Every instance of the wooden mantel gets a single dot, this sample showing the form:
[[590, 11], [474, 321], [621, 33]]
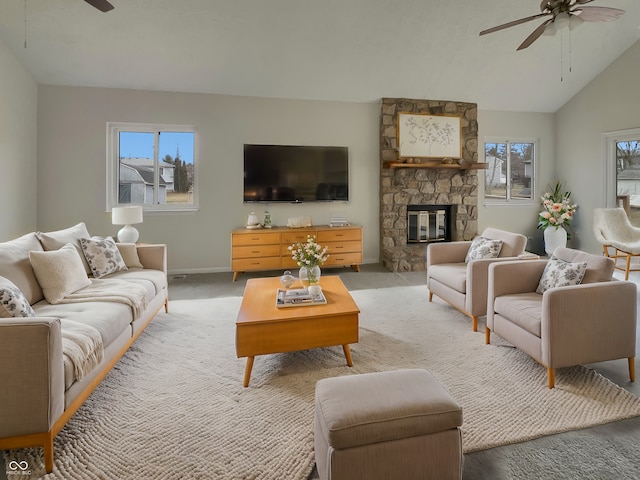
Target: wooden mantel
[[439, 165]]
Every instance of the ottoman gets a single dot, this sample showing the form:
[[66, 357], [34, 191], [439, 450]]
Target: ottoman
[[387, 425]]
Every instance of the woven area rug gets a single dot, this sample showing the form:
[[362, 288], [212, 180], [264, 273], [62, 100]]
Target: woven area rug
[[174, 406]]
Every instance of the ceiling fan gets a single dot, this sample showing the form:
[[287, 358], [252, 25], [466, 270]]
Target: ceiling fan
[[101, 5], [557, 9]]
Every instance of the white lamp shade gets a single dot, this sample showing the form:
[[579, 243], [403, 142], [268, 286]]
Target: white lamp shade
[[126, 215]]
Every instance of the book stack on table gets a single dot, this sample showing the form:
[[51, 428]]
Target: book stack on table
[[298, 297]]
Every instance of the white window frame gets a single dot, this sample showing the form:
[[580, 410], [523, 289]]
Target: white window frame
[[488, 201], [609, 141], [113, 162]]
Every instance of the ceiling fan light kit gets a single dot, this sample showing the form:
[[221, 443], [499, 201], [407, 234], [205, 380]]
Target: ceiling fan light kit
[[559, 14]]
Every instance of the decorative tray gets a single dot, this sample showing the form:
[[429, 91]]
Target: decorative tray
[[298, 297]]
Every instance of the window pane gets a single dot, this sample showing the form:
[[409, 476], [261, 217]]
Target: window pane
[[176, 166], [628, 178], [521, 168], [135, 169], [496, 172]]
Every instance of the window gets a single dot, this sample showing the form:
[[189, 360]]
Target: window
[[509, 176], [622, 156], [152, 165]]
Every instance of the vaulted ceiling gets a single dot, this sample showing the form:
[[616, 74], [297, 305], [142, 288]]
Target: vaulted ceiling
[[342, 50]]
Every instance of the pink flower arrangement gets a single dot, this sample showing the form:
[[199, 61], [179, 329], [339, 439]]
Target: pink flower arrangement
[[558, 209]]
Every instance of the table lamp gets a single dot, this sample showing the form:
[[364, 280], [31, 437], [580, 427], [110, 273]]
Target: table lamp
[[127, 216]]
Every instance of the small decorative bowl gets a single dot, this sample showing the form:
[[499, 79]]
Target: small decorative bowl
[[287, 279]]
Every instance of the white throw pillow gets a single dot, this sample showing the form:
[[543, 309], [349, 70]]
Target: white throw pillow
[[129, 252], [558, 273], [103, 256], [482, 247], [59, 272], [55, 240], [12, 301]]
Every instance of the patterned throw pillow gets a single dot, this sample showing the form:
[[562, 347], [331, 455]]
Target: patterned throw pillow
[[483, 247], [102, 255], [559, 273], [12, 302]]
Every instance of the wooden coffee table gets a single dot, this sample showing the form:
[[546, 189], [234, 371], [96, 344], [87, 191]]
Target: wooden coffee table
[[262, 328]]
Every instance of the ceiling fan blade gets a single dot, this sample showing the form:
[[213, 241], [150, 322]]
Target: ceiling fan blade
[[101, 5], [535, 34], [582, 2], [513, 24], [598, 14]]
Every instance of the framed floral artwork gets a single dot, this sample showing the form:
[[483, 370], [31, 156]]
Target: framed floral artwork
[[429, 136]]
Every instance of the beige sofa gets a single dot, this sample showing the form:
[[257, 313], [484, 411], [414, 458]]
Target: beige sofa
[[542, 311], [57, 341]]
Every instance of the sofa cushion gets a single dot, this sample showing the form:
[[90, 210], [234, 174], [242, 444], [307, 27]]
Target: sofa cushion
[[453, 275], [559, 273], [523, 309], [103, 256], [13, 303], [59, 272], [599, 267], [482, 247], [129, 252], [15, 265], [56, 239], [156, 278]]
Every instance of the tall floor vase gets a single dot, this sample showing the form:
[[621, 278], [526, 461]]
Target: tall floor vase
[[554, 237]]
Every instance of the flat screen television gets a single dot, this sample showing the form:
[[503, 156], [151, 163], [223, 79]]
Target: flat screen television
[[295, 173]]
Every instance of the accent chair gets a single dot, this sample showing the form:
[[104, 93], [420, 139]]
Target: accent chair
[[618, 237], [565, 311], [460, 280]]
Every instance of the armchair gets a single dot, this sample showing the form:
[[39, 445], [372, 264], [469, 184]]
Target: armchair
[[464, 285], [618, 237], [593, 321]]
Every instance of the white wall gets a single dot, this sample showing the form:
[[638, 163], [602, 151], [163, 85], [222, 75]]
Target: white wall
[[512, 126], [71, 163], [608, 103], [18, 160]]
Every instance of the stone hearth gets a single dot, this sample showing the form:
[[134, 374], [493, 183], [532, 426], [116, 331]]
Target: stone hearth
[[401, 187]]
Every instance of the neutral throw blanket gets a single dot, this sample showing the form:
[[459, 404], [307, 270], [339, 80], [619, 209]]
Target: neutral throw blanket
[[107, 290], [82, 344]]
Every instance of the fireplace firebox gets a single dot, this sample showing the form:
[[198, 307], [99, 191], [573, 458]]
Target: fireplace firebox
[[428, 223]]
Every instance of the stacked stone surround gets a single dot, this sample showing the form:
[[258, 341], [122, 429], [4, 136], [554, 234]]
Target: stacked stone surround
[[401, 187]]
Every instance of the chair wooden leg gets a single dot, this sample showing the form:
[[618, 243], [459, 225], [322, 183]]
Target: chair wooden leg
[[552, 377], [474, 323], [48, 454], [430, 295], [626, 272], [487, 335], [632, 369]]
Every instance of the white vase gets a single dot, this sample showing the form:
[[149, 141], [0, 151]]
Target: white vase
[[309, 276], [554, 237]]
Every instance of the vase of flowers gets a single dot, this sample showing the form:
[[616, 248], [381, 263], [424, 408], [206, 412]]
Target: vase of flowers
[[309, 256], [555, 218]]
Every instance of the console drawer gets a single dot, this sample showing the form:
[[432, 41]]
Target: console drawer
[[339, 234], [251, 251], [255, 238], [248, 264]]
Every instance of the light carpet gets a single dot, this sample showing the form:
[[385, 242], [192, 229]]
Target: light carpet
[[174, 406]]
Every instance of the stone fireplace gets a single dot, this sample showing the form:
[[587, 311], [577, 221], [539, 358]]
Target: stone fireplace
[[424, 184]]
